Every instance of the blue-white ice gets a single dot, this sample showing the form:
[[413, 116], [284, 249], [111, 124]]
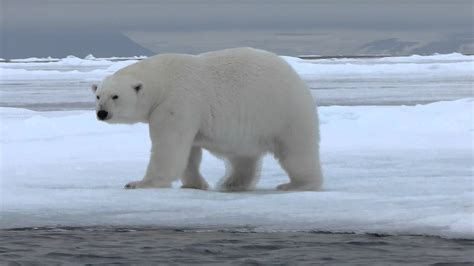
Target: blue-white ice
[[388, 169]]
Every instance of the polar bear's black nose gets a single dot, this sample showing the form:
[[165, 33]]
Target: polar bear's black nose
[[102, 114]]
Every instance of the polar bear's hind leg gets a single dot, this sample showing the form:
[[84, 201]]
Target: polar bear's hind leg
[[192, 178], [243, 174], [299, 157]]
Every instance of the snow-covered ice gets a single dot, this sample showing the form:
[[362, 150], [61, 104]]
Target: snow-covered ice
[[388, 169]]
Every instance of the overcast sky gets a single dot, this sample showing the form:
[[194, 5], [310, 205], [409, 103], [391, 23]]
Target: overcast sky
[[123, 28]]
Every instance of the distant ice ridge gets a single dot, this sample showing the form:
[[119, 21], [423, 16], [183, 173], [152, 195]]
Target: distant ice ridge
[[67, 60], [455, 65], [388, 170], [448, 65]]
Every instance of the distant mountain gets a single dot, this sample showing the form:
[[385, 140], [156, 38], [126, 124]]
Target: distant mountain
[[310, 41], [24, 44]]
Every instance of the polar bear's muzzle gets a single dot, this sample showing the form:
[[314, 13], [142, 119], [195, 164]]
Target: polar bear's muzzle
[[102, 115]]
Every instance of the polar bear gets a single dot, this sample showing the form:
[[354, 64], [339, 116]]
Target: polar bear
[[239, 104]]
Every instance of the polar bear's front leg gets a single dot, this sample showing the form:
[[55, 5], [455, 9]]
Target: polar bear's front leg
[[167, 164], [158, 175], [171, 144]]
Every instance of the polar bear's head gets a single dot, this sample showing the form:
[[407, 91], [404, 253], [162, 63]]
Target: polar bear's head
[[120, 99]]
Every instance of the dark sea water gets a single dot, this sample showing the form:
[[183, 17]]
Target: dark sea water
[[153, 246]]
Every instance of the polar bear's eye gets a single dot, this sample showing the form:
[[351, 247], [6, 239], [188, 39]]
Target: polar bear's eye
[[137, 87], [115, 97], [98, 97]]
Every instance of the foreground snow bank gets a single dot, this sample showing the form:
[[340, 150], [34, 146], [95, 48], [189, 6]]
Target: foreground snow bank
[[394, 170]]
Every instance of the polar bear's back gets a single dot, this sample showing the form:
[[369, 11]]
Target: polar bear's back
[[258, 73], [249, 66]]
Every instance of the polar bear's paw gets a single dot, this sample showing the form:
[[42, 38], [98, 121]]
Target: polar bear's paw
[[201, 185], [299, 187], [145, 184], [134, 185]]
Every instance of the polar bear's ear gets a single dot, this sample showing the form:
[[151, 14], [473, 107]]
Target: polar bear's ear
[[137, 87], [94, 88]]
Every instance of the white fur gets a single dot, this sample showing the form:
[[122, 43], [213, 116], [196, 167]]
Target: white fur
[[238, 103]]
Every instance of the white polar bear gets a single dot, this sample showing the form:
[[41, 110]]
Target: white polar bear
[[239, 104]]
